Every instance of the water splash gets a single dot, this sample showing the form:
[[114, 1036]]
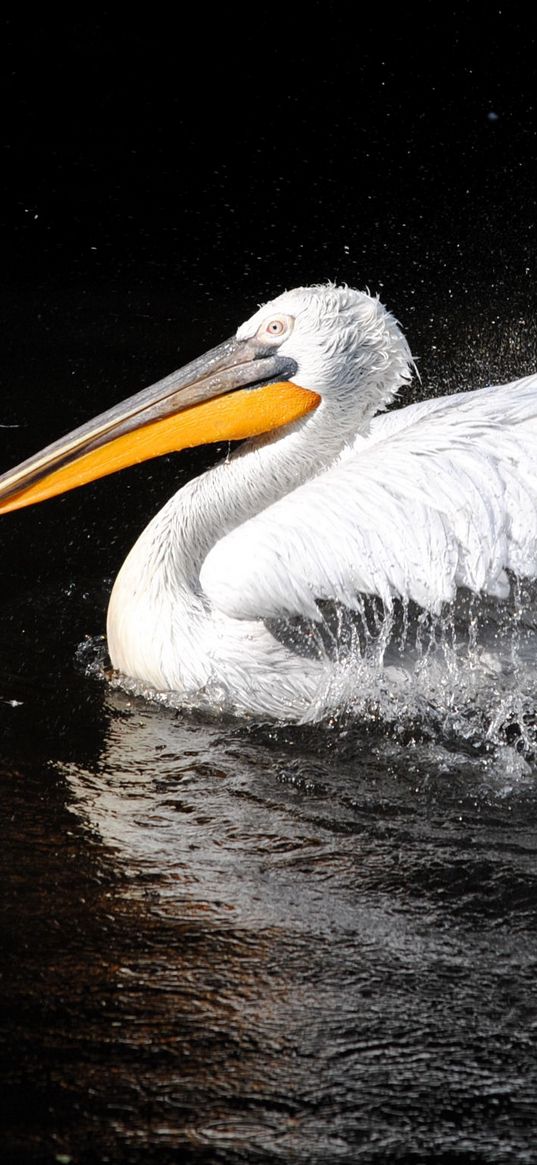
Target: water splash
[[466, 677]]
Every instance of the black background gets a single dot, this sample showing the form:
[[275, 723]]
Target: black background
[[163, 175]]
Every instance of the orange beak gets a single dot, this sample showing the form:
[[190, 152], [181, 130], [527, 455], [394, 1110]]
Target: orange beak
[[236, 390]]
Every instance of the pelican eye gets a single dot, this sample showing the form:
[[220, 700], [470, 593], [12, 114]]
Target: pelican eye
[[276, 328]]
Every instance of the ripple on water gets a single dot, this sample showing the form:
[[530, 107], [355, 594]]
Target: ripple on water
[[238, 941]]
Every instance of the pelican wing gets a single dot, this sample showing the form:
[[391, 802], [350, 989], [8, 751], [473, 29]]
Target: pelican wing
[[440, 494]]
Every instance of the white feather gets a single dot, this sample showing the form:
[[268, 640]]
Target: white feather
[[412, 504]]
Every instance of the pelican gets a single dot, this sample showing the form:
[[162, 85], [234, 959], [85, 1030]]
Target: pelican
[[328, 499]]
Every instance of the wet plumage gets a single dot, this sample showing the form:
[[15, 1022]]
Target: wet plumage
[[336, 500]]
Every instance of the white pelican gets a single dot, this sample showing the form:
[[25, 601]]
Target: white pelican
[[326, 501]]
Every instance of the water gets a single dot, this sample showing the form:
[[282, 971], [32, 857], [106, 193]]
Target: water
[[224, 941], [227, 941]]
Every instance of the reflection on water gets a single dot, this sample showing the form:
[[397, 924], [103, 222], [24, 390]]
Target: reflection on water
[[227, 942]]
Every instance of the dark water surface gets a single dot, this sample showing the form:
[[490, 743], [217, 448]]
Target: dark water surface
[[226, 942], [243, 943]]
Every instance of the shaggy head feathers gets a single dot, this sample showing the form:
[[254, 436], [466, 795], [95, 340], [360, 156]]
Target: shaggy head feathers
[[345, 342]]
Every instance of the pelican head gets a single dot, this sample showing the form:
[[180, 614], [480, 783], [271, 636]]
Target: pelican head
[[345, 344], [310, 346]]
